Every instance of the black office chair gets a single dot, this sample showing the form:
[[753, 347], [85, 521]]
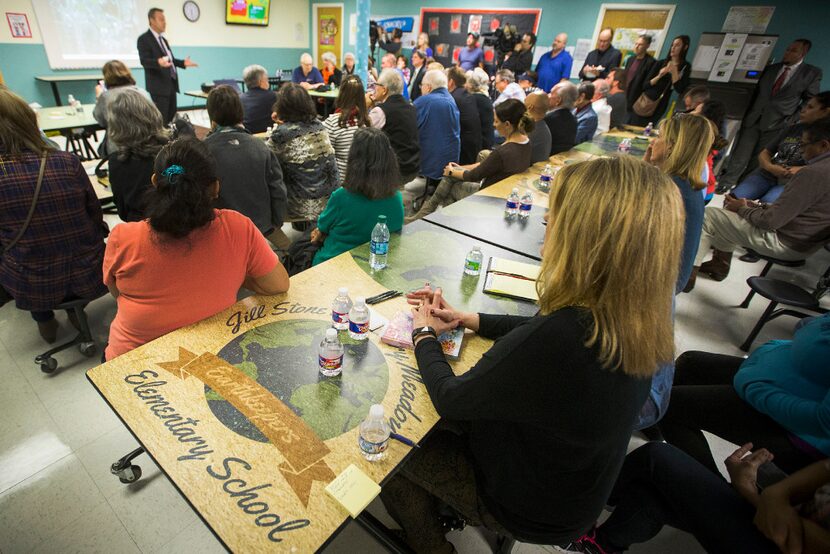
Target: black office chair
[[770, 262], [86, 345], [782, 292]]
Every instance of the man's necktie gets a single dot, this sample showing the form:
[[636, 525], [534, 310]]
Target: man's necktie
[[779, 82], [169, 55]]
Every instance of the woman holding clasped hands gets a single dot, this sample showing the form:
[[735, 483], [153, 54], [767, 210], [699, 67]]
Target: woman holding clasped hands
[[548, 411]]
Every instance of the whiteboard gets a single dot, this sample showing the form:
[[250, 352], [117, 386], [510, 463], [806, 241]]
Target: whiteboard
[[80, 34]]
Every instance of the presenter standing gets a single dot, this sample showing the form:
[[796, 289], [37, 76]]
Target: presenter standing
[[160, 74]]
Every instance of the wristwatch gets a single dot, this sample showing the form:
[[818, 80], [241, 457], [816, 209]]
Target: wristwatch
[[421, 331]]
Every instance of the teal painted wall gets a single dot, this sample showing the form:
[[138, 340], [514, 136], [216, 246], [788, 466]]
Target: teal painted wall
[[801, 18], [22, 62]]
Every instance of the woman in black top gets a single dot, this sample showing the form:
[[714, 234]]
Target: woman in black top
[[667, 74], [549, 409], [137, 131]]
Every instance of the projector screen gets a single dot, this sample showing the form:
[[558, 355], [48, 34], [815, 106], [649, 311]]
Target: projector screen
[[81, 34], [247, 12]]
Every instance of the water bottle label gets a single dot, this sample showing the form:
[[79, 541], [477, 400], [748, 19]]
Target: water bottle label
[[545, 178], [472, 265], [359, 328], [379, 248], [330, 363], [338, 317], [370, 447], [512, 205], [525, 207]]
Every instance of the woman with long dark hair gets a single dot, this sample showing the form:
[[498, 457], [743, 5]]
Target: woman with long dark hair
[[670, 73], [187, 260], [350, 114]]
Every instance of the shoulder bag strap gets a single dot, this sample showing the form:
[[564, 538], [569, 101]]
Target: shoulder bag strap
[[31, 208]]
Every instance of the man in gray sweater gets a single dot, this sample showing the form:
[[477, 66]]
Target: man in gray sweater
[[250, 176], [791, 228]]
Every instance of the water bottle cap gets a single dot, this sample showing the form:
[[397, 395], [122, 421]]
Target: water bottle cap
[[476, 247], [343, 291], [381, 219], [331, 333], [359, 301], [547, 166], [376, 411], [516, 190]]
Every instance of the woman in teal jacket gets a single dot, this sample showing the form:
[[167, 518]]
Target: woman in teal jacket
[[778, 399], [370, 188]]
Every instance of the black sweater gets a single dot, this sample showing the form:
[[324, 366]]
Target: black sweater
[[549, 426]]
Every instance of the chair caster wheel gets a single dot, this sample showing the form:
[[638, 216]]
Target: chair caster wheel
[[88, 349], [129, 474], [48, 365]]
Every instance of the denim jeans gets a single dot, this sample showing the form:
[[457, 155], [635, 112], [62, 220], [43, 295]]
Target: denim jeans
[[759, 185]]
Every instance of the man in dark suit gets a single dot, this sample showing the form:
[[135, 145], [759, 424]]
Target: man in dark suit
[[160, 74], [416, 74], [468, 116], [560, 120], [600, 61], [637, 67], [782, 88]]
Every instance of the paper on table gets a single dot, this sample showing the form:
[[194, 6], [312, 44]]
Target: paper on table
[[511, 267], [353, 489], [512, 287]]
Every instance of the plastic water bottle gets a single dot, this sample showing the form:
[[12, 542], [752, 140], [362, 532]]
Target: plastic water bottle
[[379, 247], [472, 264], [340, 309], [373, 436], [546, 178], [649, 128], [625, 146], [359, 319], [511, 208], [525, 205], [330, 354], [71, 104]]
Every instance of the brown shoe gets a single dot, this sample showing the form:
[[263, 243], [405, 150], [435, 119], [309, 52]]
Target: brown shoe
[[718, 267], [690, 284], [48, 330]]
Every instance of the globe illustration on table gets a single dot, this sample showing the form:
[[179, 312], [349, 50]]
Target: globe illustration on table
[[282, 357]]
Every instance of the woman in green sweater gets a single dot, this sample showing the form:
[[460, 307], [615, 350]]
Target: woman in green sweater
[[370, 189]]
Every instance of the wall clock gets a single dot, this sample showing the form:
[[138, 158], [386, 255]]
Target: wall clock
[[191, 11]]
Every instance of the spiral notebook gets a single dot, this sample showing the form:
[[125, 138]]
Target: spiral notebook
[[511, 279]]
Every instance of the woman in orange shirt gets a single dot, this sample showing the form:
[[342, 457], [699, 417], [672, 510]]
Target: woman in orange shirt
[[187, 260]]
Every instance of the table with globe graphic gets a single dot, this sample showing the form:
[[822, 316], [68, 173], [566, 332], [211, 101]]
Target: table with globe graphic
[[235, 412]]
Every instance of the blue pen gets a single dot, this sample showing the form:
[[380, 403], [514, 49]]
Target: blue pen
[[406, 441]]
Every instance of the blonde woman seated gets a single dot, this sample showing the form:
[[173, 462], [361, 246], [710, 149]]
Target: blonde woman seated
[[513, 156], [547, 412]]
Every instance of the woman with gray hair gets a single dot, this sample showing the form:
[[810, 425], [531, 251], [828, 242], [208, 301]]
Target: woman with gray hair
[[258, 100], [136, 129], [331, 75], [348, 63], [478, 84]]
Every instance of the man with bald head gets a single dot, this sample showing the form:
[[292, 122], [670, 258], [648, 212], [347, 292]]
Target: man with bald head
[[554, 66], [600, 61], [308, 76], [560, 119]]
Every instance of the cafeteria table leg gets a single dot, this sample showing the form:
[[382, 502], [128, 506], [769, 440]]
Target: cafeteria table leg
[[382, 534], [55, 92]]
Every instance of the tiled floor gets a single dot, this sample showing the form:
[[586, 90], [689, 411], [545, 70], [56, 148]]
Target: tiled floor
[[58, 438]]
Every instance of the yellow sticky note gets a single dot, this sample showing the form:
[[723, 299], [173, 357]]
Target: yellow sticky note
[[353, 489]]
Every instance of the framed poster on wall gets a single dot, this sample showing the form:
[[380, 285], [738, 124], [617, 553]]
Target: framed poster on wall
[[629, 21], [328, 29]]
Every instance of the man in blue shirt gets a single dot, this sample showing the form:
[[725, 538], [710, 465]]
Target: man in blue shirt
[[586, 117], [439, 126], [308, 76], [472, 56], [555, 66]]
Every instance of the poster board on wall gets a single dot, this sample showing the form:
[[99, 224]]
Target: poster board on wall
[[448, 27], [328, 30], [630, 21]]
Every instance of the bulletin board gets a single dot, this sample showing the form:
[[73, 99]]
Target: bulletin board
[[631, 20], [448, 27]]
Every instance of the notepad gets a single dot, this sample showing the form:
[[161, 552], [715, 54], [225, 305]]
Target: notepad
[[511, 287], [510, 267], [353, 489]]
